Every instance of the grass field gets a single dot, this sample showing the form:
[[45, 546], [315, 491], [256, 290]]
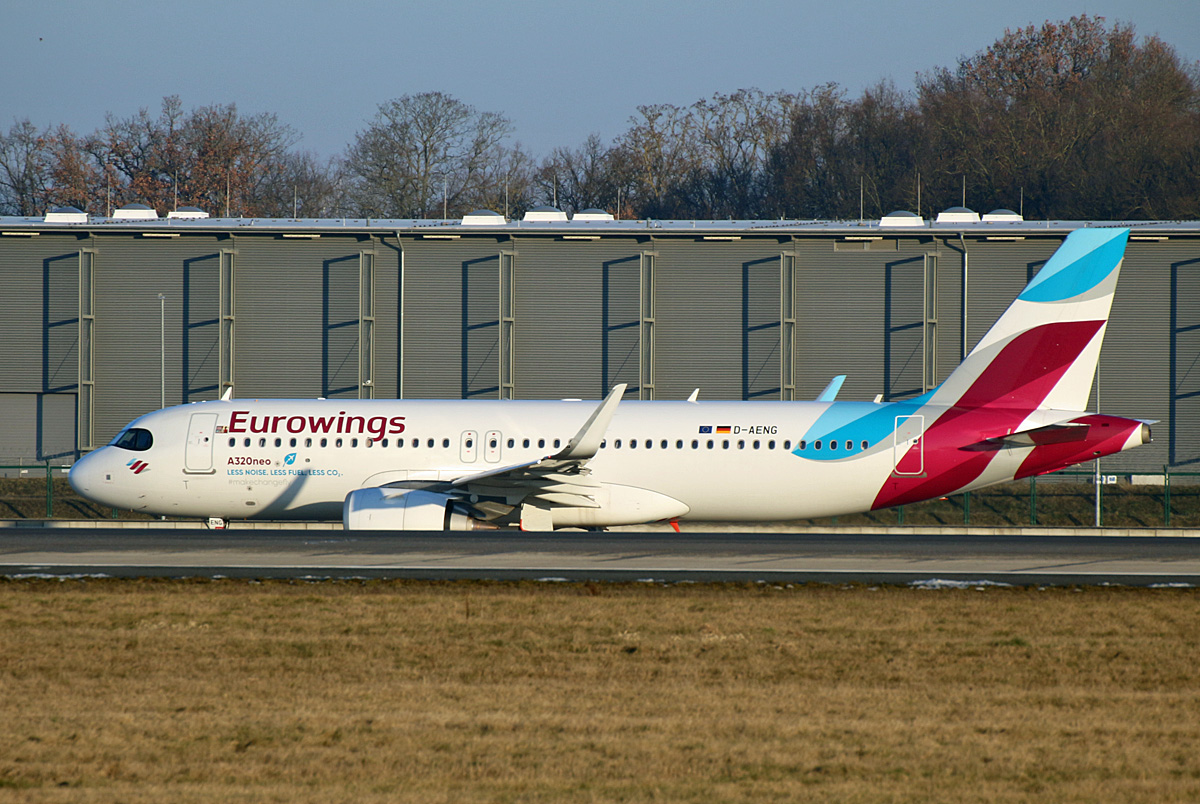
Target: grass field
[[229, 691]]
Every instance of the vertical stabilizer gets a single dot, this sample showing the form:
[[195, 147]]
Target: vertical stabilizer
[[1042, 353]]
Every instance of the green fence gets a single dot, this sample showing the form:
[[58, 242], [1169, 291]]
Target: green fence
[[41, 491], [1062, 499]]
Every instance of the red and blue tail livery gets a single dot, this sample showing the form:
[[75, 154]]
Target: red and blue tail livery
[[1015, 407]]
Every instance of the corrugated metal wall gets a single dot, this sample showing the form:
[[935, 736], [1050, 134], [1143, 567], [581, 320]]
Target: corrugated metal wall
[[296, 308], [39, 325], [130, 272], [38, 427], [861, 310], [577, 317], [708, 295], [451, 310], [1135, 366], [840, 318], [1183, 443]]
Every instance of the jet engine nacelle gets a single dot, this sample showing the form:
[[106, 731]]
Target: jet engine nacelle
[[403, 509]]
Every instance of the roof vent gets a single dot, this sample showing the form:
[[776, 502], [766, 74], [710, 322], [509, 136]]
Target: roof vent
[[592, 214], [66, 215], [902, 218], [483, 217], [958, 215], [1002, 216], [135, 212], [187, 214], [545, 215]]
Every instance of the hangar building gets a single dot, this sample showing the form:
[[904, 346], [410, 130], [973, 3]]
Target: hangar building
[[103, 318]]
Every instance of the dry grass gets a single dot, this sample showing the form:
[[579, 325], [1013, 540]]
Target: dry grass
[[231, 691]]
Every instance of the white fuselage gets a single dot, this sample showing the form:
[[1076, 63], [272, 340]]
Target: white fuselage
[[289, 459]]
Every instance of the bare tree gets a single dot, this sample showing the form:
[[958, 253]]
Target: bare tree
[[24, 169], [1078, 117], [421, 152], [587, 177], [212, 157], [300, 185]]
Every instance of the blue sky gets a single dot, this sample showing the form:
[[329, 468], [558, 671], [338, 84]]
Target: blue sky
[[559, 71]]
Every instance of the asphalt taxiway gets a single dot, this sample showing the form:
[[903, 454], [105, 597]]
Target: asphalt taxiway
[[1028, 558]]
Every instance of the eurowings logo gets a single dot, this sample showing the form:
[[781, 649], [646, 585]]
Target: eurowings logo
[[290, 459], [138, 466]]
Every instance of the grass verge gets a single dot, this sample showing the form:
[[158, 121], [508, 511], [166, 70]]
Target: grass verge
[[404, 691]]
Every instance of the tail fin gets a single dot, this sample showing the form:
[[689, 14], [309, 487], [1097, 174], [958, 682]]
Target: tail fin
[[1042, 353]]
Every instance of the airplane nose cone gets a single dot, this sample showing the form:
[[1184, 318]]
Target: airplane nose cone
[[87, 475]]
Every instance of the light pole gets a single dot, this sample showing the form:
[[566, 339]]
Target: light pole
[[162, 351], [1096, 478]]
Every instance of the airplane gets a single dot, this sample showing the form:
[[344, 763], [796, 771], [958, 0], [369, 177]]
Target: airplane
[[1015, 407]]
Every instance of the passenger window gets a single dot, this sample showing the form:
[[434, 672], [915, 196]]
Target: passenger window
[[679, 444], [741, 443], [771, 444], [725, 444], [864, 443], [308, 442], [416, 442], [445, 443], [370, 442], [233, 442], [649, 444], [337, 443], [832, 444], [756, 445], [246, 443], [541, 443], [525, 443], [324, 442], [557, 442], [603, 443], [383, 443], [429, 443], [471, 443], [710, 443], [279, 442], [695, 444], [787, 444], [633, 443], [511, 443], [492, 443], [262, 442], [617, 444], [817, 445], [354, 442], [803, 445], [292, 442], [849, 445]]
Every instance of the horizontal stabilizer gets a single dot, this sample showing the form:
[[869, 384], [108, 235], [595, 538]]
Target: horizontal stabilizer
[[1036, 437]]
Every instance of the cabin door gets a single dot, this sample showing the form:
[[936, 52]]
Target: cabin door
[[198, 456], [908, 447]]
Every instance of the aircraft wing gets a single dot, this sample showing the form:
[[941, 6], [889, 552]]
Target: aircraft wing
[[559, 479]]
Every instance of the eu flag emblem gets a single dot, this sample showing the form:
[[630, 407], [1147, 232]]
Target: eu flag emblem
[[706, 428]]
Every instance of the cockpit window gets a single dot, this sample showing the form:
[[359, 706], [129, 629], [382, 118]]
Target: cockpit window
[[134, 439]]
